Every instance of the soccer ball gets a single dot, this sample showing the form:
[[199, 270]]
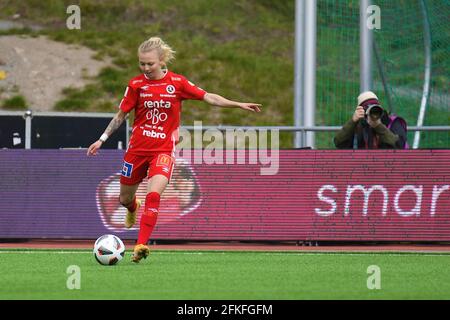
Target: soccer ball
[[108, 249]]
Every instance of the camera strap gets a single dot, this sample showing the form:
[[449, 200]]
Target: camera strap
[[355, 141]]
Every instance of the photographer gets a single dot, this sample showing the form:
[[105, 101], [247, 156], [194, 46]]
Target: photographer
[[371, 127]]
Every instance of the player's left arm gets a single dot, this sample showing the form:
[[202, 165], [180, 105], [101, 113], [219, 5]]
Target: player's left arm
[[217, 100]]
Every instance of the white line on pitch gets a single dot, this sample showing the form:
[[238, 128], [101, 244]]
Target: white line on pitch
[[364, 253]]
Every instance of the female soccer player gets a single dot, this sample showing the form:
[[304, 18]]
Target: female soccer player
[[156, 97]]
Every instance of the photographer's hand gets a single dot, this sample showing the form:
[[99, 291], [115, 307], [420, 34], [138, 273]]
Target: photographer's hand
[[358, 114]]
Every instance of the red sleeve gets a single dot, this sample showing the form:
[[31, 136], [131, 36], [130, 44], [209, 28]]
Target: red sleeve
[[191, 91], [129, 100]]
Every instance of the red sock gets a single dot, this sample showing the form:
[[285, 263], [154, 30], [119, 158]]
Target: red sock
[[148, 219], [132, 207]]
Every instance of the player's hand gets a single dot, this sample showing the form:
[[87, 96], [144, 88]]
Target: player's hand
[[254, 107], [93, 148], [359, 114]]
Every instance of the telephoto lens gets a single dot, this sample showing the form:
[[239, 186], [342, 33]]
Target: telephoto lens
[[375, 111]]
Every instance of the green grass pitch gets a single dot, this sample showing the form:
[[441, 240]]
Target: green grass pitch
[[211, 275]]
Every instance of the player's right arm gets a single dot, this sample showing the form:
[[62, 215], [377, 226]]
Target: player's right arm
[[127, 104], [115, 123]]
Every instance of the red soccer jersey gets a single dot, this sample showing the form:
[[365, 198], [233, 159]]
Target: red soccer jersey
[[157, 105]]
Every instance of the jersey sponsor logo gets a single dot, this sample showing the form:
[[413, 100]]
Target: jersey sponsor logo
[[146, 95], [170, 89], [157, 104], [153, 127], [154, 134], [155, 116], [145, 87], [127, 169], [168, 95]]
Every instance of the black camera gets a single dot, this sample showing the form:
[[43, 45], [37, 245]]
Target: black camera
[[374, 111]]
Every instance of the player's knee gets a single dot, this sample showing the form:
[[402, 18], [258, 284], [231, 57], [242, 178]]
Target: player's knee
[[125, 200]]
